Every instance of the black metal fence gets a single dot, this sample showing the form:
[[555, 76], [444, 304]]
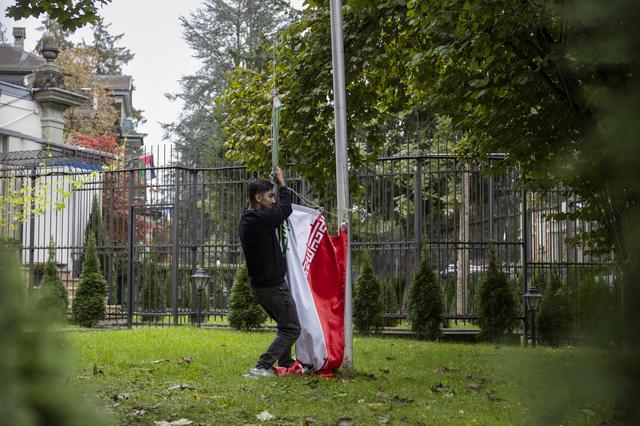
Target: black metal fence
[[155, 224]]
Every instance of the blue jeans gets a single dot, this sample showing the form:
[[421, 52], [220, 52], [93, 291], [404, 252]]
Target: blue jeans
[[280, 306]]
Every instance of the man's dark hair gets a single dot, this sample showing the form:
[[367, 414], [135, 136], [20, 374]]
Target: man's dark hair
[[258, 186]]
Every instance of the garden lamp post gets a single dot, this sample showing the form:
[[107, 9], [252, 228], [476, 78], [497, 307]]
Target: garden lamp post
[[201, 280], [532, 300]]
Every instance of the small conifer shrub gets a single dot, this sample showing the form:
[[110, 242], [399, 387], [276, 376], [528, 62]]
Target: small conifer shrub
[[554, 317], [497, 309], [426, 304], [153, 294], [244, 311], [367, 304], [53, 300], [89, 304]]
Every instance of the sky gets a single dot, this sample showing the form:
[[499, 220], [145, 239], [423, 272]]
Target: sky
[[152, 31]]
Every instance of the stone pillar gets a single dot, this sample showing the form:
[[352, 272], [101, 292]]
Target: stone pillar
[[51, 96]]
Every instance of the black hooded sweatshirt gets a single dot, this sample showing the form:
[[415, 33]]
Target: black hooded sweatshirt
[[265, 261]]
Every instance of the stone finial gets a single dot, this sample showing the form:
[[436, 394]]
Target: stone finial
[[49, 74]]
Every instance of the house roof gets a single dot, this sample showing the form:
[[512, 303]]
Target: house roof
[[116, 83], [16, 60]]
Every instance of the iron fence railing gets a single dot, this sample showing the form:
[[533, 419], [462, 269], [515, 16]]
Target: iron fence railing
[[156, 223]]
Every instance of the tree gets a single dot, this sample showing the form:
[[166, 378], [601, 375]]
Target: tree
[[367, 303], [70, 15], [224, 34], [244, 311], [426, 304], [153, 292], [497, 310], [98, 117], [110, 57], [89, 304], [35, 365], [53, 300], [554, 318]]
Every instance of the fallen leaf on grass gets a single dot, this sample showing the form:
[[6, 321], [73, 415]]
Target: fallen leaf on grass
[[160, 361], [444, 370], [344, 421], [97, 371], [309, 420], [401, 400], [121, 396], [391, 358], [139, 412], [386, 370], [181, 386], [265, 416], [375, 406], [371, 377], [439, 388], [491, 396], [474, 386], [185, 360], [179, 422], [384, 420]]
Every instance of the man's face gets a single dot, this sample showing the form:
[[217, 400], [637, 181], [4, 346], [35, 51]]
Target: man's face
[[266, 200]]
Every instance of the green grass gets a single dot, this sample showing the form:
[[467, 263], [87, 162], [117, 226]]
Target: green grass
[[398, 381]]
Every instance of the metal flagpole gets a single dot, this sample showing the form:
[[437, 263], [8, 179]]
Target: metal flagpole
[[342, 174]]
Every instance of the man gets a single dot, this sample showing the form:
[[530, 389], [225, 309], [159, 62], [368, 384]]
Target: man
[[267, 268]]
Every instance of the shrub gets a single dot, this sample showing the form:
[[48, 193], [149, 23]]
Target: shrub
[[392, 290], [244, 311], [595, 314], [53, 300], [367, 306], [34, 366], [497, 308], [426, 304], [89, 303], [554, 318], [153, 294]]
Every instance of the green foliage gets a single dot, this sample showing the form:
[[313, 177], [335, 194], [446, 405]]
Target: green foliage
[[244, 311], [223, 35], [69, 15], [154, 290], [89, 305], [595, 310], [426, 304], [53, 300], [392, 289], [367, 303], [35, 365], [554, 319], [497, 308], [110, 57]]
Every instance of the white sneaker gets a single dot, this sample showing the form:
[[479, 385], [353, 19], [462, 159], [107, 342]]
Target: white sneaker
[[259, 372]]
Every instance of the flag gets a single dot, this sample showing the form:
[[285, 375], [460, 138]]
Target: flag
[[316, 263], [147, 163]]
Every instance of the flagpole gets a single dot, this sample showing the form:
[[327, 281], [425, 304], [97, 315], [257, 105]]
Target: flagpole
[[342, 174]]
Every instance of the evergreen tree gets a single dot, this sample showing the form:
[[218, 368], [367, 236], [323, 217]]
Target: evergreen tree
[[244, 311], [426, 304], [94, 227], [110, 57], [34, 365], [367, 304], [391, 288], [554, 319], [153, 291], [497, 308], [224, 35], [53, 300], [89, 304]]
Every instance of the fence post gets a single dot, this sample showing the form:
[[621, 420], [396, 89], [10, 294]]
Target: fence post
[[525, 263], [32, 230], [417, 208], [193, 238], [131, 245], [175, 255]]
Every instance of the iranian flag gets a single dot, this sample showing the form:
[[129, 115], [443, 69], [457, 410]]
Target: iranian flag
[[316, 263]]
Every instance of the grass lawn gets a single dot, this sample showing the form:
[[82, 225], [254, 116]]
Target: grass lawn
[[398, 381]]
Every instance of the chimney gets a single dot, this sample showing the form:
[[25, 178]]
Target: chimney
[[19, 34]]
